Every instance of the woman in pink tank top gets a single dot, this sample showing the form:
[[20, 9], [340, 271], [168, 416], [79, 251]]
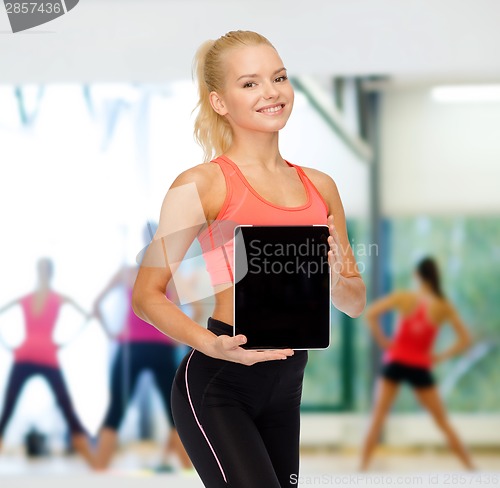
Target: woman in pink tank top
[[37, 355], [409, 356], [237, 410], [142, 347]]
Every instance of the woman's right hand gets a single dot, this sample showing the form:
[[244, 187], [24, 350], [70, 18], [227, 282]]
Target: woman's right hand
[[229, 348]]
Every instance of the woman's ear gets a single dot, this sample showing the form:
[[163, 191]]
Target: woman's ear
[[217, 103]]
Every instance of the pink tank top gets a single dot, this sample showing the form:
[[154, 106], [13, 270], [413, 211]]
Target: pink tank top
[[38, 346], [243, 205], [137, 330], [413, 340]]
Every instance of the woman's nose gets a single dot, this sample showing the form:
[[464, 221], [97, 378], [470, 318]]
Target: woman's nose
[[270, 90]]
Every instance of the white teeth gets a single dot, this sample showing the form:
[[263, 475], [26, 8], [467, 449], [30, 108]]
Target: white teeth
[[272, 109]]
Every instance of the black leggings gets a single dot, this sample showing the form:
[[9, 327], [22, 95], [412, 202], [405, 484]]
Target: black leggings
[[240, 424], [131, 360], [19, 374]]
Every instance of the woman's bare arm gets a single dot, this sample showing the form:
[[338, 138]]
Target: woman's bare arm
[[185, 210], [76, 306], [378, 307], [3, 309], [116, 280], [464, 339], [348, 289], [9, 305]]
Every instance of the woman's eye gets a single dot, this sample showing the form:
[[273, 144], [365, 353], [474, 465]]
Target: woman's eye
[[249, 84], [281, 78]]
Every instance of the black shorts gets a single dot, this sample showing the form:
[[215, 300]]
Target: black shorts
[[417, 377]]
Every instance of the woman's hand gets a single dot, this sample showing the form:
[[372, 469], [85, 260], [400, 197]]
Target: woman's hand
[[229, 348], [335, 256]]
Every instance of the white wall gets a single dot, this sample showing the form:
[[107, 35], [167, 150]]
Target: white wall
[[439, 158], [312, 143], [75, 190], [154, 40]]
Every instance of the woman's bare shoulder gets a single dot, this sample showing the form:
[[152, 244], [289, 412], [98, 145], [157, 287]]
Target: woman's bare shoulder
[[447, 306], [210, 185], [326, 186], [318, 177], [404, 298], [323, 182], [203, 175]]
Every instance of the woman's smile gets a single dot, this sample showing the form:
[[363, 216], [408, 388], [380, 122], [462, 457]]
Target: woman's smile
[[275, 109]]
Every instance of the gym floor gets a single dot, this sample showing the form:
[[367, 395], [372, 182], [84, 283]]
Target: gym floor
[[136, 465]]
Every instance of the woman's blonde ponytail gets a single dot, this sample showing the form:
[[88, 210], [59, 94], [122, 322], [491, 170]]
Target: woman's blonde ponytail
[[211, 130]]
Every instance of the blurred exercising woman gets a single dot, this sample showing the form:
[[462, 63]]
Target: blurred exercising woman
[[409, 354], [141, 348], [37, 355]]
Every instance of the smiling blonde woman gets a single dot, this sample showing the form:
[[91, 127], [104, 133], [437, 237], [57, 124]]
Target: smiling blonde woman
[[237, 411]]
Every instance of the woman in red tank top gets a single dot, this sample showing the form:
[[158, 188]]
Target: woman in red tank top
[[37, 355], [141, 348], [237, 410], [409, 356]]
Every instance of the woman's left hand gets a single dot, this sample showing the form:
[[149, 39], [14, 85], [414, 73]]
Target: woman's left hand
[[335, 257]]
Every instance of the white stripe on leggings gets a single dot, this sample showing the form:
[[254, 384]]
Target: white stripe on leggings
[[197, 421]]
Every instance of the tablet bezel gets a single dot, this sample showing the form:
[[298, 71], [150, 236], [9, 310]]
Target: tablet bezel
[[329, 290]]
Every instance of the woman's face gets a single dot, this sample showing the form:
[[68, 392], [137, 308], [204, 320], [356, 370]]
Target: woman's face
[[257, 94]]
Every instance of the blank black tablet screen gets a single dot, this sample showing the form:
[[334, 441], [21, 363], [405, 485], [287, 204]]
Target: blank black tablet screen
[[282, 286]]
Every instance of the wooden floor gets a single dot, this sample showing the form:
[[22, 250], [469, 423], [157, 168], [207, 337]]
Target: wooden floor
[[136, 467]]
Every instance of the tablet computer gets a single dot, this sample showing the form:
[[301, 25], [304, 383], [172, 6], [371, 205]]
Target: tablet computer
[[282, 286]]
